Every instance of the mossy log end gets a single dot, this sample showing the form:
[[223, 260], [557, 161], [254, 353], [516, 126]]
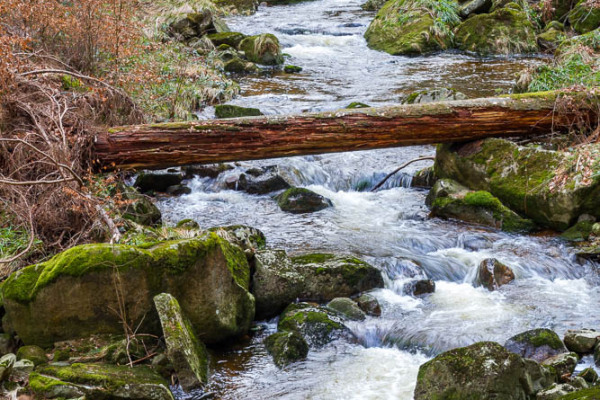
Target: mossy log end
[[156, 146]]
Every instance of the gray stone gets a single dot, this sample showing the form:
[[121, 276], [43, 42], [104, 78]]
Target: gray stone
[[347, 308], [536, 344], [581, 340]]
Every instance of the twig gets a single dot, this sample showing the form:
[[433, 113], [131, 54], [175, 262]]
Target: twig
[[398, 169], [139, 360], [74, 74]]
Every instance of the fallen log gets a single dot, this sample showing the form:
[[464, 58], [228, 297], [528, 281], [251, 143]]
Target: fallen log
[[156, 146]]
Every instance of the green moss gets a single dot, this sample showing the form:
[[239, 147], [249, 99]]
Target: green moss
[[540, 337], [315, 258], [232, 39], [357, 104], [585, 16], [585, 394], [41, 385], [286, 347], [292, 69], [262, 49], [231, 111], [72, 83], [579, 232]]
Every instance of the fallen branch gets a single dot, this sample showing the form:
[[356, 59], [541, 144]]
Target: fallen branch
[[398, 169]]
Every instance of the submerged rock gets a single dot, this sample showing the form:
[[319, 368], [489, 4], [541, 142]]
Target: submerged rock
[[314, 323], [475, 371], [492, 274], [98, 381], [449, 199], [405, 27], [262, 49], [536, 344], [300, 200], [540, 184], [286, 348], [504, 31], [231, 111], [187, 354], [347, 308], [73, 294]]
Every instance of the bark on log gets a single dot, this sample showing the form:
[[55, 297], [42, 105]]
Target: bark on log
[[157, 146]]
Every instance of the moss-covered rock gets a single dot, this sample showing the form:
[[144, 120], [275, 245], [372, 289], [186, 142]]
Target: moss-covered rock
[[232, 39], [231, 111], [536, 344], [357, 104], [286, 347], [449, 200], [579, 232], [35, 354], [246, 237], [550, 39], [315, 324], [585, 394], [424, 178], [139, 208], [492, 274], [195, 25], [475, 7], [411, 27], [347, 308], [539, 184], [238, 66], [589, 374], [581, 340], [187, 354], [98, 381], [475, 371], [430, 96], [262, 49], [292, 69], [74, 294], [301, 200], [585, 16], [187, 223], [504, 31], [279, 280]]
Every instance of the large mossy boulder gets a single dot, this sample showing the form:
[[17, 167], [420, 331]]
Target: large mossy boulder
[[585, 16], [187, 354], [476, 371], [449, 199], [301, 200], [262, 49], [539, 184], [286, 347], [75, 293], [504, 31], [406, 27], [98, 381], [315, 324], [537, 344], [279, 280]]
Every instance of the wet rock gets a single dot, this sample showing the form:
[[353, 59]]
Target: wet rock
[[139, 208], [589, 374], [156, 182], [492, 274], [423, 287], [300, 200], [99, 381], [246, 237], [187, 224], [478, 370], [579, 232], [520, 178], [286, 348], [262, 49], [7, 362], [35, 354], [536, 344], [562, 365], [449, 199], [279, 280], [347, 308], [292, 69], [178, 190], [187, 354], [239, 66], [585, 16], [195, 25], [313, 323], [263, 184], [475, 7], [73, 294], [431, 96], [554, 392], [504, 31], [424, 178], [369, 304], [581, 340], [410, 34], [206, 171], [232, 39], [231, 111]]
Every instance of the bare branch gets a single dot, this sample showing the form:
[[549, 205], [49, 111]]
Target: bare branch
[[398, 169]]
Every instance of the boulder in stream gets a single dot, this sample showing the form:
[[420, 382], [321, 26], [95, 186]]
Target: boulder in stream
[[231, 111], [262, 49], [536, 344], [492, 274], [347, 308], [475, 371], [156, 182], [316, 325], [73, 294], [286, 347], [187, 354], [369, 304], [300, 200], [581, 341]]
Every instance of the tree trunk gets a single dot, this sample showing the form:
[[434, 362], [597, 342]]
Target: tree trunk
[[170, 144]]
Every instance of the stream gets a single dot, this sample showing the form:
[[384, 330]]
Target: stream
[[388, 229]]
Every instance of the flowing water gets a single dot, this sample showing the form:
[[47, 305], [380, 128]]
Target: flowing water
[[388, 228]]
